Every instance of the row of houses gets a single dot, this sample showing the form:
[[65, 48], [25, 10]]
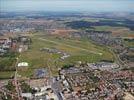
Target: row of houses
[[5, 45], [16, 44], [95, 81]]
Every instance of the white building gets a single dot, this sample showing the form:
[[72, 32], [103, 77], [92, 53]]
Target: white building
[[23, 64]]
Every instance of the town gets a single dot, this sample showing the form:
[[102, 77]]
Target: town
[[79, 81], [67, 52]]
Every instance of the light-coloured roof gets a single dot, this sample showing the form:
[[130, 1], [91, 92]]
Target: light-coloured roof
[[28, 95], [23, 64]]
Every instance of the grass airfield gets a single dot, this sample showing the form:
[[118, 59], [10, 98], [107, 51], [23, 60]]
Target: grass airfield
[[78, 49]]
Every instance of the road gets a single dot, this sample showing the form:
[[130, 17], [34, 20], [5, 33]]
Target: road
[[118, 60], [43, 39], [18, 88], [55, 84], [57, 88]]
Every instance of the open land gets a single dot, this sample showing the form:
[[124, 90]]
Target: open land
[[76, 48]]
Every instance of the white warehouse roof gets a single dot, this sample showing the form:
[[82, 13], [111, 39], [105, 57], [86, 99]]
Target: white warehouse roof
[[23, 64]]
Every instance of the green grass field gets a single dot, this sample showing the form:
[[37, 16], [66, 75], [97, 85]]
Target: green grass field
[[116, 31], [7, 67], [79, 50], [6, 74], [107, 28]]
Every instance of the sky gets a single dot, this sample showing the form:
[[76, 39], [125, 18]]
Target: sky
[[68, 5]]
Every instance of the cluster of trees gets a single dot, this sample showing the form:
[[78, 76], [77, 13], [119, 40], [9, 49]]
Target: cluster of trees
[[129, 40], [114, 23], [127, 57], [68, 66], [7, 61], [131, 68], [25, 87], [79, 24], [10, 86]]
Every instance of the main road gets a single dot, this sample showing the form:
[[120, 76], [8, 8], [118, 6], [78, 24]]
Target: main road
[[18, 89]]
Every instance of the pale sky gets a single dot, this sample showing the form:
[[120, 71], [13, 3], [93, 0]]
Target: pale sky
[[68, 5]]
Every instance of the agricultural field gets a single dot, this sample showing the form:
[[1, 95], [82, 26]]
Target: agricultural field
[[116, 31], [78, 49], [122, 28]]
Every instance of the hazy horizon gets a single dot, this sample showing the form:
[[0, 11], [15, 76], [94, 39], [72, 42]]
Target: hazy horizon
[[67, 5]]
